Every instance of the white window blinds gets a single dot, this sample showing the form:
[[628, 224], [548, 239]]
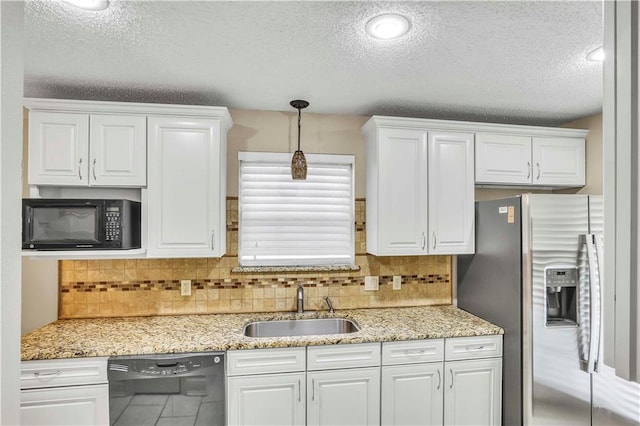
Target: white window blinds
[[285, 222]]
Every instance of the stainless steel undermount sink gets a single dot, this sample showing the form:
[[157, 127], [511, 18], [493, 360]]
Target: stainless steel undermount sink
[[300, 327]]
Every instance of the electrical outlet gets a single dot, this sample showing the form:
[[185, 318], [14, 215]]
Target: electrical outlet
[[185, 287], [371, 283], [397, 282]]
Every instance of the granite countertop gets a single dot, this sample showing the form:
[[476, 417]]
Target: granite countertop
[[218, 332]]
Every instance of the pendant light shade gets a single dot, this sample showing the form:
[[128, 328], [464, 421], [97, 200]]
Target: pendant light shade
[[298, 161]]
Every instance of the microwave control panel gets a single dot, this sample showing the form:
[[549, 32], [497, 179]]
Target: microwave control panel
[[112, 229]]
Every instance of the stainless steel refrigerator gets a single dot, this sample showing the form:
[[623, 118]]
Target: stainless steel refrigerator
[[536, 273]]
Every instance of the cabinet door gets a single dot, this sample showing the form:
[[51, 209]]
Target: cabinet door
[[451, 193], [118, 149], [558, 161], [400, 203], [473, 392], [412, 394], [185, 193], [58, 149], [344, 397], [74, 405], [275, 399], [503, 159]]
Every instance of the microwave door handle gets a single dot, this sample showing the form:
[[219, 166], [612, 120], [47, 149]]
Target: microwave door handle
[[594, 304]]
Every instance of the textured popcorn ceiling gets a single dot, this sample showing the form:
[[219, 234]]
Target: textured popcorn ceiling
[[508, 61]]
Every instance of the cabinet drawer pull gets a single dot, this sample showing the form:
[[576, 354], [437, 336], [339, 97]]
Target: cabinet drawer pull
[[529, 169], [414, 352], [80, 169], [538, 165], [94, 169], [475, 348], [439, 379], [47, 375]]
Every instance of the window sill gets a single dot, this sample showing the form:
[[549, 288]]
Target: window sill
[[267, 269]]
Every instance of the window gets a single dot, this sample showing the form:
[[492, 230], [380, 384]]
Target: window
[[285, 222]]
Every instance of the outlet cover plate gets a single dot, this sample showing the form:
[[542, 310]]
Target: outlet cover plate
[[397, 282], [185, 287], [371, 283]]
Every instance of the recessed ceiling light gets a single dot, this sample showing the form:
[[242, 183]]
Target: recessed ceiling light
[[89, 4], [388, 26], [596, 55]]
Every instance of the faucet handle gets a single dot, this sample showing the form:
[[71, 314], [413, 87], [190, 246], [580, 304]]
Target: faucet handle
[[329, 304]]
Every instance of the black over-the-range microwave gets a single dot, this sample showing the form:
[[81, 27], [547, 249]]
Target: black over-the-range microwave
[[80, 224]]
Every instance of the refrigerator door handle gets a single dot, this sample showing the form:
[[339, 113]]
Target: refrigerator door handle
[[594, 304]]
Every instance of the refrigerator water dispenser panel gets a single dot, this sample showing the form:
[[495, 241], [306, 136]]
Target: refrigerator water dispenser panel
[[561, 286]]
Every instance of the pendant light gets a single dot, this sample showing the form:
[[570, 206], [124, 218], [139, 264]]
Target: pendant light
[[298, 162]]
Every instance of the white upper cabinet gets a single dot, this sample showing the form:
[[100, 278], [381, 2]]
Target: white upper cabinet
[[451, 193], [58, 148], [118, 149], [558, 161], [503, 159], [185, 199], [396, 192], [420, 188], [523, 160], [74, 149]]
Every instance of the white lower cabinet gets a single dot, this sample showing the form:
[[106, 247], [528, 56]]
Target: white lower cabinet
[[270, 399], [343, 397], [456, 381], [412, 394], [473, 392], [64, 392], [473, 381], [73, 405]]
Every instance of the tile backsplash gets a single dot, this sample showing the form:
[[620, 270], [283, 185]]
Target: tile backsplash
[[133, 287]]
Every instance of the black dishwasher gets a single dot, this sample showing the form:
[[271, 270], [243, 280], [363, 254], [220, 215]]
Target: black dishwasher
[[167, 390]]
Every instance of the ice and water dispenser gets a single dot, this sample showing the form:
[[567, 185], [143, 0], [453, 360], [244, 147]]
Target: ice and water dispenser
[[561, 285]]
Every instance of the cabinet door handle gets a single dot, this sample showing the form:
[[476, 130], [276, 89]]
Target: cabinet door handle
[[80, 169], [451, 386], [538, 166], [435, 239], [94, 169], [424, 240], [299, 391], [213, 239], [529, 168], [439, 379], [313, 389]]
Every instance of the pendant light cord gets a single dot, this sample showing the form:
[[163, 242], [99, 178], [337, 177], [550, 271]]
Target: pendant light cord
[[299, 129]]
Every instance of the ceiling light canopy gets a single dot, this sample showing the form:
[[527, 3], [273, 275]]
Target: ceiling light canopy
[[388, 26], [596, 55], [89, 4]]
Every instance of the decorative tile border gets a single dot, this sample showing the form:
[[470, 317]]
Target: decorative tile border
[[274, 282]]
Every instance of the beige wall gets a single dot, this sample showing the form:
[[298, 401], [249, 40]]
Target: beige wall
[[275, 131], [593, 153]]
